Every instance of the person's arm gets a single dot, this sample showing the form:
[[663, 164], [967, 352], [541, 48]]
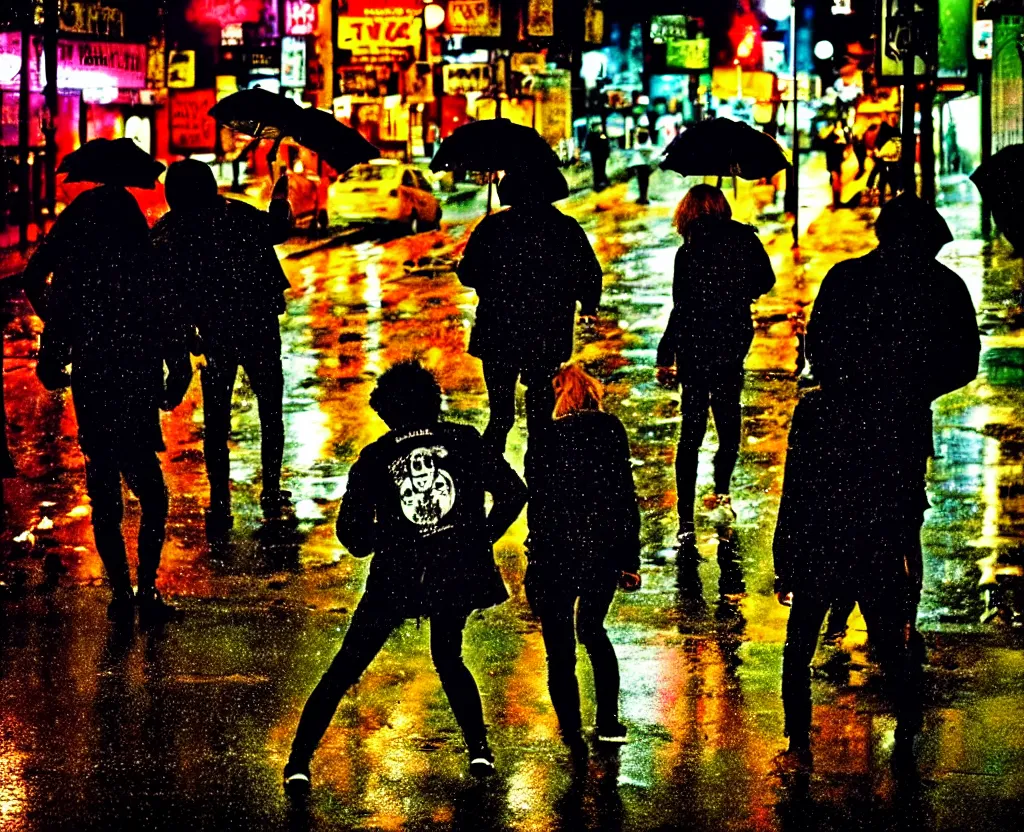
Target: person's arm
[[668, 353], [821, 328], [958, 356], [476, 263], [507, 490], [357, 517], [625, 498], [35, 278], [589, 277], [280, 220], [760, 274]]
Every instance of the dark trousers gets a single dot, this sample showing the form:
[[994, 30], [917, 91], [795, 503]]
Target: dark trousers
[[722, 395], [643, 182], [141, 470], [555, 607], [890, 615], [370, 628], [598, 163], [263, 369], [501, 381]]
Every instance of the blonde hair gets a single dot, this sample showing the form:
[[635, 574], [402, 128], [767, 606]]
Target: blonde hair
[[700, 201], [575, 391]]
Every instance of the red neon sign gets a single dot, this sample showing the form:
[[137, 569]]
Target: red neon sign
[[223, 12], [300, 17]]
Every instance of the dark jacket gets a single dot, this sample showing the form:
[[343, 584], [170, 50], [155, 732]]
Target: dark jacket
[[529, 265], [110, 315], [583, 515], [719, 272], [415, 499], [889, 333], [222, 260]]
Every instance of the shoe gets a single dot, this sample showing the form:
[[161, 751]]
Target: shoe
[[218, 523], [613, 732], [122, 606], [579, 751], [153, 609], [296, 780], [275, 504], [481, 761], [686, 547], [797, 759]]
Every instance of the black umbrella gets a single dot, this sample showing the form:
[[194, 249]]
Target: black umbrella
[[257, 113], [112, 162], [1001, 183], [723, 147], [492, 145], [336, 143], [537, 183]]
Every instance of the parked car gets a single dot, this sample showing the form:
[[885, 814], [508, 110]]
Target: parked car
[[384, 191]]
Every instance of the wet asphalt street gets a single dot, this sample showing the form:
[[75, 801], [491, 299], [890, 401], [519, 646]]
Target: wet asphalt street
[[189, 728]]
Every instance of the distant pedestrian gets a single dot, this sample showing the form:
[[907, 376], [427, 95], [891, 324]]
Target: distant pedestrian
[[529, 266], [219, 253], [599, 148], [836, 141], [112, 317], [415, 500], [890, 333], [640, 163], [584, 543], [719, 270]]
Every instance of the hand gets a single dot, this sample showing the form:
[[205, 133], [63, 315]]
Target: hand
[[666, 377], [629, 581], [784, 598]]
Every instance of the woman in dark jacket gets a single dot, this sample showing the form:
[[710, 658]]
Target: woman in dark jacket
[[720, 269], [584, 543]]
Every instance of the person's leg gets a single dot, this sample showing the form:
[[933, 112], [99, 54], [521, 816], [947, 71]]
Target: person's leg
[[643, 180], [805, 619], [555, 608], [838, 616], [500, 380], [590, 615], [837, 187], [146, 480], [694, 404], [540, 398], [103, 483], [367, 633], [218, 381], [725, 408], [458, 683], [265, 374]]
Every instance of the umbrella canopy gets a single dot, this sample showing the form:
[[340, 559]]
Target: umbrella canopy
[[723, 147], [112, 162], [1001, 180], [257, 113], [536, 184], [491, 145], [337, 144]]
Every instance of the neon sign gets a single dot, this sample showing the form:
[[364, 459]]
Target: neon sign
[[300, 17], [223, 12]]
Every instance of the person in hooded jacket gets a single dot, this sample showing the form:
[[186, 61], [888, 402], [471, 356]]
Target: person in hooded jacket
[[529, 266], [111, 316], [890, 332], [584, 543], [415, 500], [720, 269], [219, 253]]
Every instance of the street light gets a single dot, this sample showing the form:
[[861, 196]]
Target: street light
[[433, 15]]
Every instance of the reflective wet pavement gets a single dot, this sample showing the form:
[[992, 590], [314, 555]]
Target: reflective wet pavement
[[190, 728]]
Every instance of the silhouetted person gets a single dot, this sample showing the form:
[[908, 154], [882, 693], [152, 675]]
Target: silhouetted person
[[640, 164], [886, 171], [529, 266], [835, 151], [719, 270], [111, 316], [599, 148], [890, 332], [584, 542], [415, 500], [220, 254]]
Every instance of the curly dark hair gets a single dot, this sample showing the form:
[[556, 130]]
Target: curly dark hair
[[407, 394]]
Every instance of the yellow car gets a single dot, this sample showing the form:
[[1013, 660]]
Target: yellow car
[[384, 191]]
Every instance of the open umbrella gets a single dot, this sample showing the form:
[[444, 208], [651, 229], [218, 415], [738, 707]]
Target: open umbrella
[[491, 145], [723, 147], [337, 144], [112, 162], [257, 113], [1001, 183]]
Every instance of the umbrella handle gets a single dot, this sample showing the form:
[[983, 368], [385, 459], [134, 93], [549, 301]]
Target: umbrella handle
[[272, 155]]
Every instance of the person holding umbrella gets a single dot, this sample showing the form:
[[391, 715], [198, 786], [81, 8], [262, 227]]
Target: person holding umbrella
[[890, 333], [529, 266], [720, 269], [415, 500], [219, 255], [111, 316]]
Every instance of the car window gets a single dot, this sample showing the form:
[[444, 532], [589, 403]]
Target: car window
[[407, 180], [421, 181], [369, 173]]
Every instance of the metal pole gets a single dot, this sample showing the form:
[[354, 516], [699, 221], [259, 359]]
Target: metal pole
[[50, 10], [794, 171], [909, 147], [24, 202], [985, 77]]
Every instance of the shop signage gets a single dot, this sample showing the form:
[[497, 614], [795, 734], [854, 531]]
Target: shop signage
[[384, 8], [91, 19], [232, 34], [181, 68], [983, 32], [84, 64], [156, 65], [363, 33], [553, 96], [419, 83], [300, 17], [223, 12], [192, 130], [473, 17], [593, 24], [462, 78], [539, 19], [668, 27], [360, 81], [264, 60], [688, 54], [529, 63], [293, 62]]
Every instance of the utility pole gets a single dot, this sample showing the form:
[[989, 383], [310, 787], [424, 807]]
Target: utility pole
[[24, 91], [906, 45], [793, 175], [51, 27]]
